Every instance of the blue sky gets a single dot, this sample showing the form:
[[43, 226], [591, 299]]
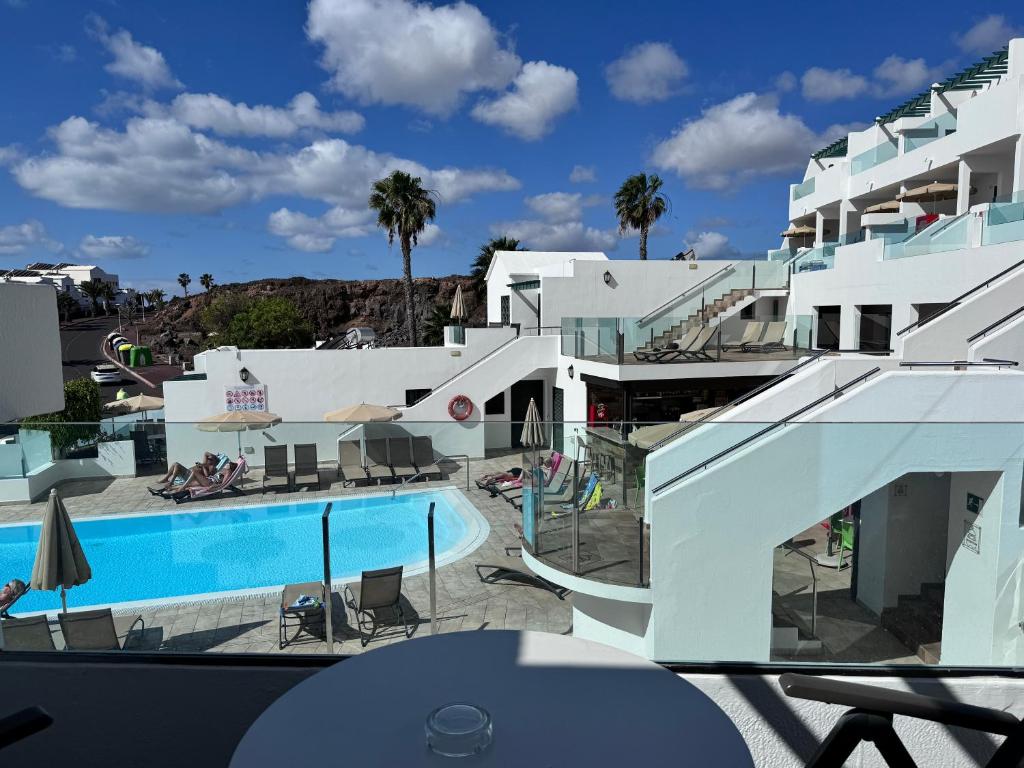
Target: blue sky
[[241, 138]]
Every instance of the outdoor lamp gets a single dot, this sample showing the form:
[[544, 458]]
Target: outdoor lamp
[[607, 277], [571, 371], [244, 375]]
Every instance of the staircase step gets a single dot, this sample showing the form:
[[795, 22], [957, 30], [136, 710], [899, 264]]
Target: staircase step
[[916, 622], [935, 593]]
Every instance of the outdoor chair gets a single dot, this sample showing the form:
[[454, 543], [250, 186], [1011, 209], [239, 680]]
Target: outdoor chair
[[299, 618], [871, 715], [307, 468], [228, 484], [751, 335], [698, 350], [94, 630], [671, 351], [556, 487], [377, 591], [401, 458], [376, 463], [144, 453], [6, 607], [773, 339], [275, 467], [29, 634], [350, 462], [423, 457]]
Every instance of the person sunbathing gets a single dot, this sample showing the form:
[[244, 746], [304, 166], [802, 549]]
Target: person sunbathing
[[202, 479], [12, 590], [493, 478], [178, 474]]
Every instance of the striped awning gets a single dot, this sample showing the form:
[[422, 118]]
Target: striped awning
[[525, 285]]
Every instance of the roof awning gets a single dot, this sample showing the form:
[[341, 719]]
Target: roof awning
[[800, 231], [889, 206], [930, 192], [525, 285]]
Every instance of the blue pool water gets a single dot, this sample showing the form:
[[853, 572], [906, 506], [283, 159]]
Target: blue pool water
[[155, 556]]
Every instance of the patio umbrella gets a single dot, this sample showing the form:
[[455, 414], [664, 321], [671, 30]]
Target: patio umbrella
[[458, 306], [364, 412], [533, 430], [238, 421], [136, 404], [800, 231], [647, 437], [59, 557], [889, 206]]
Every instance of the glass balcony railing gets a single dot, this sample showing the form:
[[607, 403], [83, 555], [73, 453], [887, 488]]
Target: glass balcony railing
[[925, 134], [803, 189], [948, 234], [1004, 222], [887, 150], [815, 259]]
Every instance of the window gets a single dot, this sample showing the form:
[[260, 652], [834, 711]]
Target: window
[[506, 310], [747, 313], [495, 406], [413, 396]]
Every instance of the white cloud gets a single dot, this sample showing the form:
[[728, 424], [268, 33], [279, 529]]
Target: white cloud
[[208, 111], [161, 165], [400, 52], [113, 247], [18, 238], [558, 236], [582, 174], [785, 81], [897, 76], [710, 245], [560, 207], [132, 60], [987, 35], [818, 84], [647, 72], [539, 94], [737, 140], [318, 234]]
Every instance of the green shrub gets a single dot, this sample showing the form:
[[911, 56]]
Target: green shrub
[[78, 422]]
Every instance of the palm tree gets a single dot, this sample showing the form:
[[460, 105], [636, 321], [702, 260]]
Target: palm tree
[[93, 289], [404, 208], [156, 298], [108, 294], [638, 205], [480, 264], [183, 280], [206, 280], [433, 327], [66, 304]]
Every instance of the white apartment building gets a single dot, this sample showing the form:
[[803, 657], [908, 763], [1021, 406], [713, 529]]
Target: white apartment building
[[65, 277]]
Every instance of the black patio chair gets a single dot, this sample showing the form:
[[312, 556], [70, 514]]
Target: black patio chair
[[377, 591]]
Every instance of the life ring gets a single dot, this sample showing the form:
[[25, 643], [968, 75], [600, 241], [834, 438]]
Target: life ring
[[460, 407]]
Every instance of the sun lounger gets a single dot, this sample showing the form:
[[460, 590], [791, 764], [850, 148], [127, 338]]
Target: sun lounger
[[94, 630], [558, 480], [751, 335], [304, 617], [350, 462], [698, 350], [668, 353], [377, 591], [423, 456], [307, 468], [556, 492], [514, 569], [227, 484], [29, 634], [773, 339], [376, 463], [400, 452], [275, 467], [6, 607]]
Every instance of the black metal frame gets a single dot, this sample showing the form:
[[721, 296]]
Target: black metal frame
[[302, 620], [374, 622]]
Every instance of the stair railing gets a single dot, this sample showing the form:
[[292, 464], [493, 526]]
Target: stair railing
[[1004, 319], [692, 289]]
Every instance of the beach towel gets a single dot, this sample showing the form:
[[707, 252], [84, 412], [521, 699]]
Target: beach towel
[[556, 460]]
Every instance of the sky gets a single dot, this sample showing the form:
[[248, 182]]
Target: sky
[[242, 138]]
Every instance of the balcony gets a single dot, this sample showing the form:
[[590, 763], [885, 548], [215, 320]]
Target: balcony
[[885, 151], [804, 189]]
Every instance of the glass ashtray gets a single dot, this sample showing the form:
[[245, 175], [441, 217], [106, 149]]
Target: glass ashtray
[[459, 730]]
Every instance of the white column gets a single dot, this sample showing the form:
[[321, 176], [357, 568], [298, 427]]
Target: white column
[[848, 219], [1018, 172], [963, 192], [819, 228]]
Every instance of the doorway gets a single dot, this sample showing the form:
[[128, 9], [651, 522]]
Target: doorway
[[828, 327], [522, 392], [875, 327]]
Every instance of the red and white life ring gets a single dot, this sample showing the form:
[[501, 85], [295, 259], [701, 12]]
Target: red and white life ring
[[460, 407]]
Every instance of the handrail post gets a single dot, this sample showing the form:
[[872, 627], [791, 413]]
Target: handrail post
[[325, 526], [575, 520], [432, 570]]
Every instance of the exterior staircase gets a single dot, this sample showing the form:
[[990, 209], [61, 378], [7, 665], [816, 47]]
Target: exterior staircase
[[916, 621], [701, 316]]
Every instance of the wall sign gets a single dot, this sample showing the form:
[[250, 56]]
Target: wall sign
[[245, 397], [974, 503], [972, 537]]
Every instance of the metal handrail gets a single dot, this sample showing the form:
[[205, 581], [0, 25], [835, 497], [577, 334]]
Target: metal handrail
[[672, 301], [995, 325], [961, 297], [489, 355], [818, 354], [987, 362], [757, 435]]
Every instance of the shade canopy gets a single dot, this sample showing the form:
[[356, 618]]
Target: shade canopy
[[647, 437], [364, 412], [800, 231], [533, 430], [938, 190], [238, 421], [889, 206], [60, 561], [136, 404], [458, 306]]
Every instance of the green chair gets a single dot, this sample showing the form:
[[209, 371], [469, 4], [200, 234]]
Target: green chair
[[840, 534]]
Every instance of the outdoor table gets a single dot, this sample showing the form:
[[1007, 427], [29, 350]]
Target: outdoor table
[[554, 701]]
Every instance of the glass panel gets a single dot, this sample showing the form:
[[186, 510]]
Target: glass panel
[[814, 259], [946, 234], [804, 189], [1004, 222], [887, 150], [928, 132]]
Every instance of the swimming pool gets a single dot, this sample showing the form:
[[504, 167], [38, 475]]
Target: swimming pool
[[182, 556]]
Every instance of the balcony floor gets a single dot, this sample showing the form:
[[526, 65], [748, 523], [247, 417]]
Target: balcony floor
[[729, 356]]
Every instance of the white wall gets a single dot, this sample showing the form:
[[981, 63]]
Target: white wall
[[31, 380], [527, 265]]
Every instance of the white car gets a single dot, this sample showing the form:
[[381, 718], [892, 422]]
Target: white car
[[106, 374]]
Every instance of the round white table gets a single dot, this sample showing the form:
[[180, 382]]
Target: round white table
[[554, 700]]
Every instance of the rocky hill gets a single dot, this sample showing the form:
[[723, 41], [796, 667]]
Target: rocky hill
[[330, 306]]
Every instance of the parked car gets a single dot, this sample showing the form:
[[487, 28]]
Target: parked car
[[106, 374]]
